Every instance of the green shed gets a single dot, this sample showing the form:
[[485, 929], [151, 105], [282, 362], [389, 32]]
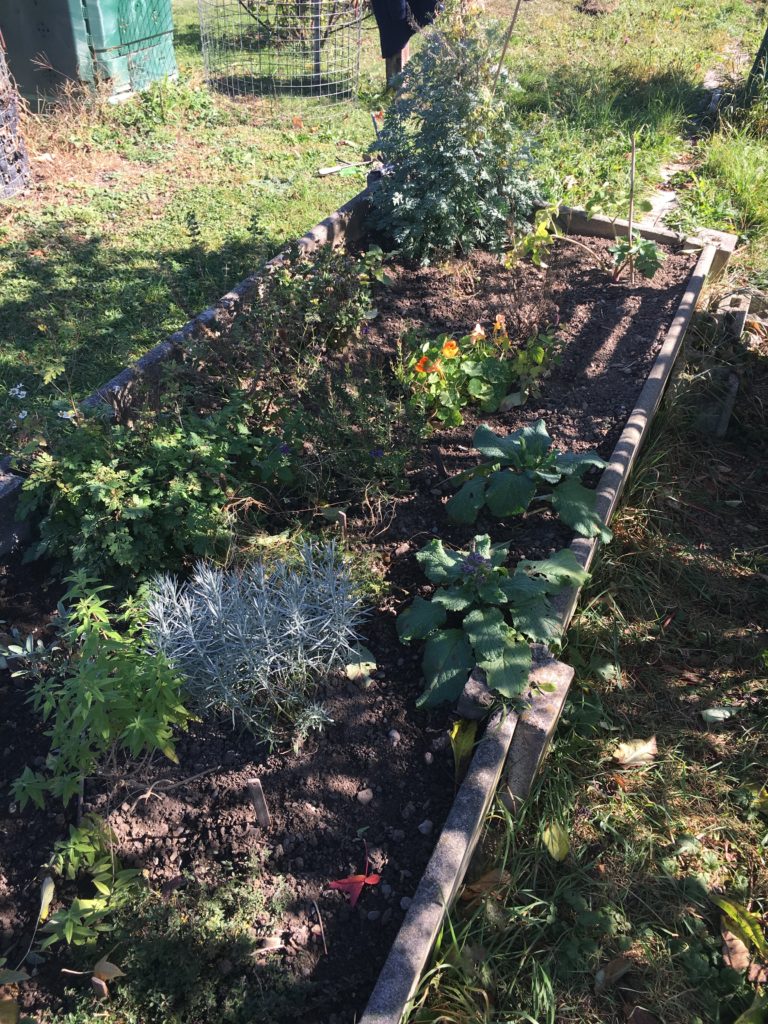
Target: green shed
[[126, 43]]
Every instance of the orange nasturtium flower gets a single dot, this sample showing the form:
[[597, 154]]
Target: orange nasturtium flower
[[450, 349], [500, 324], [422, 365], [478, 334]]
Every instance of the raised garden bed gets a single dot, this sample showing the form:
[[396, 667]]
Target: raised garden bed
[[382, 774]]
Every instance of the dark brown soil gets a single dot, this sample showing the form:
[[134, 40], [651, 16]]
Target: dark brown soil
[[194, 824]]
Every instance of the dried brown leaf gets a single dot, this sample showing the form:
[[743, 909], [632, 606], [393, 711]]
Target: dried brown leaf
[[611, 973], [107, 971], [640, 1015], [735, 953], [484, 885]]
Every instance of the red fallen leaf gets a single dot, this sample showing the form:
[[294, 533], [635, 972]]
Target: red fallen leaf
[[354, 884]]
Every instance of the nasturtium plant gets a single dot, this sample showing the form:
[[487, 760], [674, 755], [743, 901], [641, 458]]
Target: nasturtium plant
[[444, 375], [482, 615], [522, 467]]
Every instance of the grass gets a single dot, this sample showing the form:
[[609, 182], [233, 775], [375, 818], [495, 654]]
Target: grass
[[672, 624]]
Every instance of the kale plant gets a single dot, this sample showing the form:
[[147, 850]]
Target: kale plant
[[456, 172], [516, 467], [257, 643], [495, 613]]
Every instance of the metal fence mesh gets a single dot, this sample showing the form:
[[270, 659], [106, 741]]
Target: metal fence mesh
[[14, 163], [309, 47]]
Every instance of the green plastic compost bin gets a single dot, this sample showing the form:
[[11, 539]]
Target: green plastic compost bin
[[126, 43]]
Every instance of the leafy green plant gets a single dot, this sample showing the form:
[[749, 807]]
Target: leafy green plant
[[122, 501], [320, 300], [646, 256], [99, 689], [515, 469], [445, 375], [89, 852], [456, 171], [496, 613]]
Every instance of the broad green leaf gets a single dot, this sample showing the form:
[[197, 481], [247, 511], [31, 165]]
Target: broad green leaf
[[535, 441], [8, 977], [575, 504], [479, 388], [555, 839], [453, 599], [569, 463], [446, 664], [508, 674], [522, 448], [439, 565], [463, 734], [509, 493], [743, 923], [561, 567], [495, 446], [487, 633], [757, 1012], [47, 889], [420, 619], [536, 620], [467, 502], [521, 588]]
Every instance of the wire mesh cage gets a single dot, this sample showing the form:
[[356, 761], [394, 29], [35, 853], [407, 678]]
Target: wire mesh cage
[[14, 162], [308, 47]]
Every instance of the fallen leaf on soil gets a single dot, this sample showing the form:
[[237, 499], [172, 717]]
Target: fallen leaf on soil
[[611, 973], [8, 977], [555, 839], [716, 716], [47, 890], [462, 735], [361, 666], [107, 971], [639, 1015], [635, 752], [354, 884], [735, 953], [484, 885], [298, 121], [100, 988], [620, 781]]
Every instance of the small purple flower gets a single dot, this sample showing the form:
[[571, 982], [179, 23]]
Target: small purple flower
[[285, 449], [365, 330], [377, 453], [473, 562]]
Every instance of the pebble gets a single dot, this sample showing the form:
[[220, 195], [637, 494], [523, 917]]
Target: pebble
[[425, 827], [394, 737], [386, 917], [386, 890], [429, 758], [365, 796], [374, 915], [397, 835], [405, 902]]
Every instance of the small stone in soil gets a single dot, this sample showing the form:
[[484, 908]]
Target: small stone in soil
[[374, 915], [365, 796], [429, 758], [394, 737], [405, 902], [386, 890], [425, 827]]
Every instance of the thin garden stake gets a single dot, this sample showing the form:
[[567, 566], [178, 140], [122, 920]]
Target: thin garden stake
[[632, 208], [507, 37]]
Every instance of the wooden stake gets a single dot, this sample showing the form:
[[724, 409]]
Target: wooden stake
[[259, 802], [507, 37], [394, 65], [632, 207]]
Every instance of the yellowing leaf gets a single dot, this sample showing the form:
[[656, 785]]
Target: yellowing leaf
[[757, 1013], [743, 923], [556, 841], [635, 752], [47, 890], [107, 971], [463, 734], [484, 885], [362, 665]]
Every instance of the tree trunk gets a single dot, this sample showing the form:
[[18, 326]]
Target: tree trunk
[[14, 162]]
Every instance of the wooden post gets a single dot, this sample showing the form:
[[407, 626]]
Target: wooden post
[[394, 65], [760, 67]]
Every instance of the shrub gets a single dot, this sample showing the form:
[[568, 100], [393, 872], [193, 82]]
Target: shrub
[[456, 172], [257, 643]]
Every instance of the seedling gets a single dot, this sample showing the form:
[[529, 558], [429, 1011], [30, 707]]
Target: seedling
[[519, 465], [353, 885], [640, 252]]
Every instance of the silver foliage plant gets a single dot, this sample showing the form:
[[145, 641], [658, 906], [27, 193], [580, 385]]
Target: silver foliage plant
[[258, 642]]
